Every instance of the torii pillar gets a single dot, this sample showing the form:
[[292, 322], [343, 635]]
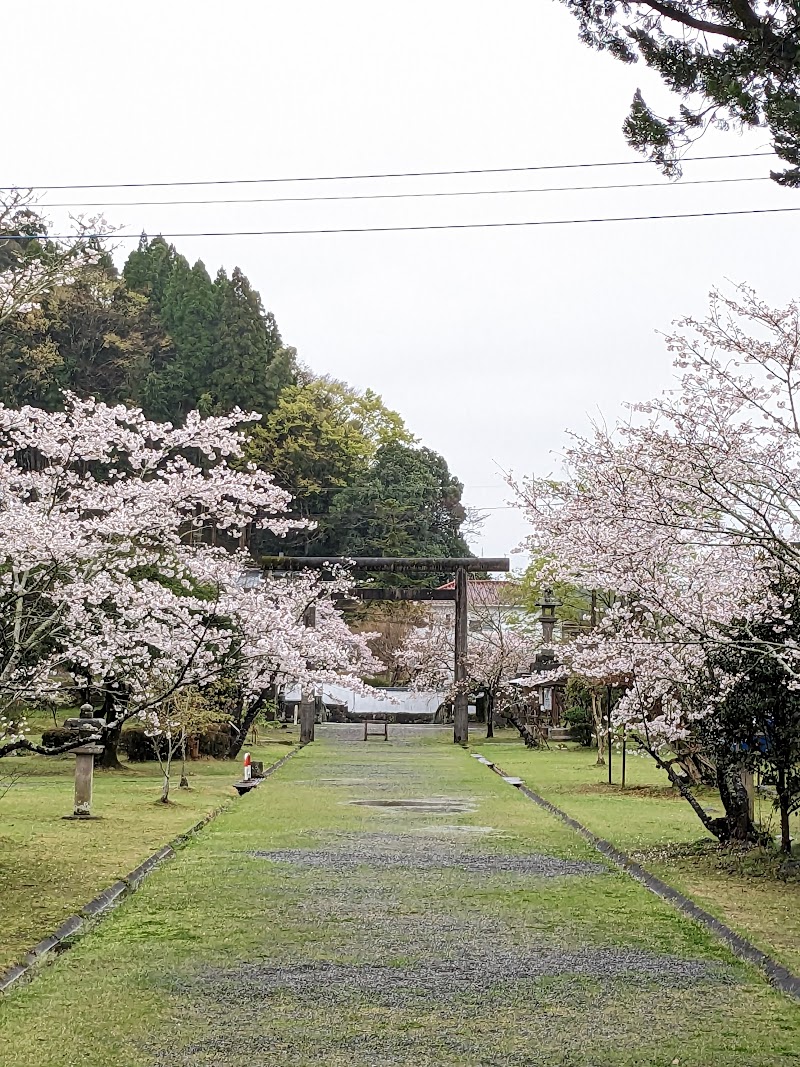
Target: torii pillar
[[461, 702]]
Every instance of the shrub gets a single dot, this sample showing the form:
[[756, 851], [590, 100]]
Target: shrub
[[578, 711], [214, 741], [56, 735], [140, 746]]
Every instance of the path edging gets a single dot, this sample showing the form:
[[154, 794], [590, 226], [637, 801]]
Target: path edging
[[778, 975], [87, 917]]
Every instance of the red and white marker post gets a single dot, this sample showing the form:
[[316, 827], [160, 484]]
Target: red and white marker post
[[247, 772]]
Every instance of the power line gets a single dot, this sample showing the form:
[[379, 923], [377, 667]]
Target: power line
[[397, 174], [405, 196], [400, 229]]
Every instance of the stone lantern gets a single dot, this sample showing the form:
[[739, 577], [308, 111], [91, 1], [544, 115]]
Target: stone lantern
[[547, 619], [87, 724], [546, 657]]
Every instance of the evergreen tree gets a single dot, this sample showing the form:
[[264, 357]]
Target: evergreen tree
[[408, 504], [733, 63], [148, 269], [189, 314], [251, 366]]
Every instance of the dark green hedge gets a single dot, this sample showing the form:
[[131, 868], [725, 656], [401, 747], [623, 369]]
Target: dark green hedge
[[214, 742], [56, 735]]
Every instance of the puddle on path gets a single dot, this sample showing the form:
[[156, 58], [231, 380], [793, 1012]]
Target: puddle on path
[[431, 805]]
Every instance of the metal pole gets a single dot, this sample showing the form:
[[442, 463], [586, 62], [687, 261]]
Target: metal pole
[[608, 729], [461, 710], [624, 750]]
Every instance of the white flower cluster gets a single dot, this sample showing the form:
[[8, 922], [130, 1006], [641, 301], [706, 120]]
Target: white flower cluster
[[102, 572], [689, 514]]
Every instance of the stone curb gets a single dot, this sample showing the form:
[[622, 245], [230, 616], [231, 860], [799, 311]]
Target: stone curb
[[778, 975], [104, 902]]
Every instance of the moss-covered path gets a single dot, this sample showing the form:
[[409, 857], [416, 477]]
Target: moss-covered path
[[387, 904]]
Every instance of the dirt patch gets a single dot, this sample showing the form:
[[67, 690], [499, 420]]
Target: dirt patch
[[652, 792]]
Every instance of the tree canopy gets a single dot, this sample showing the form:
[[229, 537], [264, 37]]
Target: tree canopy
[[733, 63], [163, 336]]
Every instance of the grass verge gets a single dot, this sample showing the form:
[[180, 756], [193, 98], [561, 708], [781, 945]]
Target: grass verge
[[49, 867], [749, 890]]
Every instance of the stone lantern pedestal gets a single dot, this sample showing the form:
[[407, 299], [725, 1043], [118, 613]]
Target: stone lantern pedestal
[[86, 723]]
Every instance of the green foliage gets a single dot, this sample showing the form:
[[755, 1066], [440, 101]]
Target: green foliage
[[578, 711], [228, 351], [250, 364], [734, 63], [760, 715], [213, 740], [56, 735], [353, 469], [408, 504], [164, 337], [94, 336], [574, 603]]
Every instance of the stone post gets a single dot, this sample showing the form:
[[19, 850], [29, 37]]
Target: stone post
[[86, 723], [749, 787]]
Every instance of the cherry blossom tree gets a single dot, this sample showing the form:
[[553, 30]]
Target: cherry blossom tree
[[276, 646], [689, 513], [31, 264], [104, 570], [498, 650]]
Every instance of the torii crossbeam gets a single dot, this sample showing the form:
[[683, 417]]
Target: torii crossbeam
[[458, 565]]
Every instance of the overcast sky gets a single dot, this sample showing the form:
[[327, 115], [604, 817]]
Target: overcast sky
[[491, 343]]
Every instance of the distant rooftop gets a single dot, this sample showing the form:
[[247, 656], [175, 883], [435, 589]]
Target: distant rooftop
[[487, 593]]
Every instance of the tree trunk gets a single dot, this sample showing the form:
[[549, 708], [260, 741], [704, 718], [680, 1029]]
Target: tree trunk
[[525, 731], [237, 743], [784, 804], [716, 827], [480, 708], [597, 721], [489, 715], [109, 759], [113, 703], [184, 782], [737, 825], [165, 765]]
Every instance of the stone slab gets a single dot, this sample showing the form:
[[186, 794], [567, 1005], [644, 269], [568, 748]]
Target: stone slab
[[69, 927], [140, 872], [105, 900]]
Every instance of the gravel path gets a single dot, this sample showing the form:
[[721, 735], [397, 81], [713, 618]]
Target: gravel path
[[376, 960]]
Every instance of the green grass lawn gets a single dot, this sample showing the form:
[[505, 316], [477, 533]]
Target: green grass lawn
[[651, 821], [180, 974], [49, 867]]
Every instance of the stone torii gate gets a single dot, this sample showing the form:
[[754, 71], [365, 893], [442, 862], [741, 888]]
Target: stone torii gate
[[460, 566]]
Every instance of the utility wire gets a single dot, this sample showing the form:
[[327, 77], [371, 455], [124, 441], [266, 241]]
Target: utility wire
[[399, 229], [406, 196], [398, 174]]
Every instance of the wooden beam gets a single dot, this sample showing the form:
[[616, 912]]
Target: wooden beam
[[388, 564], [399, 593]]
